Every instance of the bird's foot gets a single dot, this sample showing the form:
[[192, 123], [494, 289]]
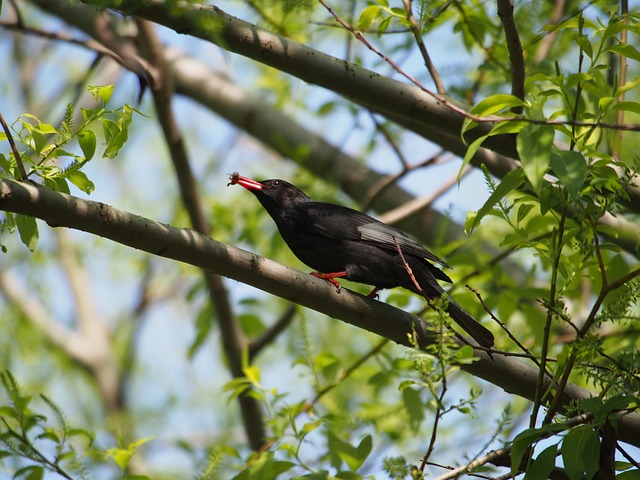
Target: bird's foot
[[374, 293], [331, 277]]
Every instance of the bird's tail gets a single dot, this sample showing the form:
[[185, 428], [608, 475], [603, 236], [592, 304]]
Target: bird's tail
[[432, 290], [479, 333]]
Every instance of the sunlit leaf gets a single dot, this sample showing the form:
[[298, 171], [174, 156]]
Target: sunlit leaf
[[534, 144], [102, 93], [28, 229], [87, 141]]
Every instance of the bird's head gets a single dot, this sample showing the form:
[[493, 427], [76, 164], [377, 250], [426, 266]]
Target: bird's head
[[273, 193]]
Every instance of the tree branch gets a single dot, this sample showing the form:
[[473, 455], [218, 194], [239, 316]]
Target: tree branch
[[363, 86], [514, 46], [186, 245], [416, 111]]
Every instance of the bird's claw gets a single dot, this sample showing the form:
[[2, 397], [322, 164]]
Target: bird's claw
[[329, 279]]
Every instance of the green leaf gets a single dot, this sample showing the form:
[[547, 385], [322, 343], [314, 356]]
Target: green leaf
[[584, 43], [122, 456], [571, 169], [525, 439], [28, 229], [578, 78], [471, 151], [354, 457], [5, 164], [630, 85], [496, 103], [80, 180], [508, 127], [48, 129], [534, 144], [591, 454], [605, 103], [329, 365], [101, 93], [264, 468], [252, 372], [311, 426], [521, 445], [523, 211], [39, 140], [628, 107], [510, 182], [542, 465], [364, 449], [626, 50], [117, 133], [596, 405], [81, 432], [58, 184], [87, 141], [203, 324], [415, 407], [368, 16], [580, 452], [629, 475], [348, 476], [29, 473], [502, 128], [236, 387]]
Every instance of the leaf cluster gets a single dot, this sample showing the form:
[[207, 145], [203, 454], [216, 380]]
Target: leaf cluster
[[47, 152]]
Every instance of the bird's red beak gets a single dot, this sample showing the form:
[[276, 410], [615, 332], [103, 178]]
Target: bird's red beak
[[249, 184]]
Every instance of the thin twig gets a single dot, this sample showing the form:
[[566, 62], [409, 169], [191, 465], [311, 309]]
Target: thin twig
[[394, 65], [478, 462], [417, 34], [408, 268], [603, 294], [381, 185], [89, 44], [629, 458], [436, 422], [528, 353], [391, 141], [547, 330], [53, 466], [14, 149]]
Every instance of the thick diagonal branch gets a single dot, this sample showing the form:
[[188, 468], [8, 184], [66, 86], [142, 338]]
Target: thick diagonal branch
[[186, 245]]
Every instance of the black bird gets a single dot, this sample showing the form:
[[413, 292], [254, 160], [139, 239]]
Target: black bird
[[341, 242]]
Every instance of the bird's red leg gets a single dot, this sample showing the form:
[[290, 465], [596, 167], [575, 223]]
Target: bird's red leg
[[374, 293], [331, 277]]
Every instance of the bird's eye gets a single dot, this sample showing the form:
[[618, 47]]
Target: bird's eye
[[276, 183]]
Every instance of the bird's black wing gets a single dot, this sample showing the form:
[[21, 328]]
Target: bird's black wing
[[338, 222]]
